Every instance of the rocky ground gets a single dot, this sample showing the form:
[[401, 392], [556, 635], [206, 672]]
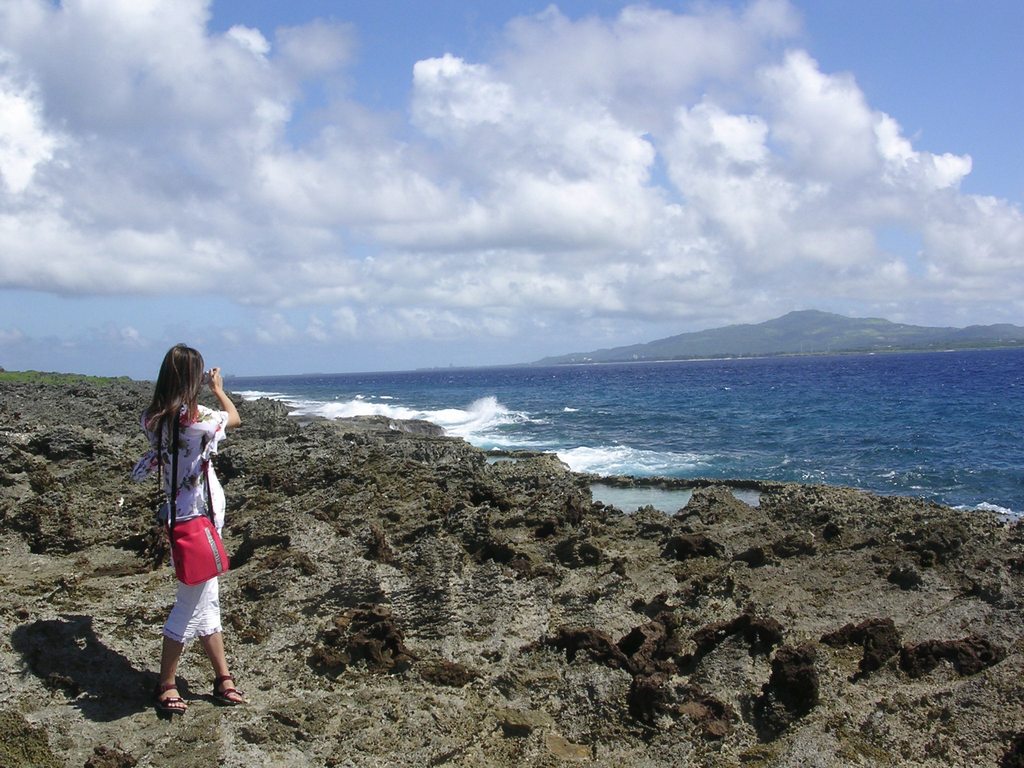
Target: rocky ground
[[397, 600]]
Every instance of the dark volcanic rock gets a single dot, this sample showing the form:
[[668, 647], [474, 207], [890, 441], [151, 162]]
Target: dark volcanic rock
[[110, 757], [968, 656], [447, 673], [367, 633], [688, 545], [878, 637], [597, 645], [576, 552], [761, 634], [905, 577], [790, 693], [794, 544], [62, 443], [712, 717], [755, 557], [936, 544]]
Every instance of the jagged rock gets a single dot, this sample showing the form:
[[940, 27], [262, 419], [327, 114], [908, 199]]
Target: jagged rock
[[968, 656], [688, 545], [563, 749], [110, 757], [713, 504], [447, 673], [790, 693], [597, 645], [878, 637], [648, 697], [937, 543], [794, 544], [367, 633], [63, 443], [23, 745], [905, 577], [712, 717], [379, 549], [657, 604], [519, 723], [761, 634], [652, 647], [755, 557], [576, 552]]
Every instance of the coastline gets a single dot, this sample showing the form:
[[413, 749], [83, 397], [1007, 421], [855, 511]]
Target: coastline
[[903, 438], [513, 620]]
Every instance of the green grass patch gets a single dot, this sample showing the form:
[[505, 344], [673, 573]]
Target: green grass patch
[[47, 377]]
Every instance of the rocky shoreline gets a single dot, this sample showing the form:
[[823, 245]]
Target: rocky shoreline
[[398, 600]]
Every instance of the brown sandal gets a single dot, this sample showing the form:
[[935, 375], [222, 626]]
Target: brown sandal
[[224, 696], [171, 705]]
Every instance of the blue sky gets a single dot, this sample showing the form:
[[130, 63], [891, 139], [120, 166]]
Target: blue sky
[[344, 186]]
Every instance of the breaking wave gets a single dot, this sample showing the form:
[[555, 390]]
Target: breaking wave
[[479, 423]]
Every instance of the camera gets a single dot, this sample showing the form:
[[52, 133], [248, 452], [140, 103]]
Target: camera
[[207, 377]]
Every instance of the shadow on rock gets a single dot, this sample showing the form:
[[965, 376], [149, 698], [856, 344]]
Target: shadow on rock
[[67, 656]]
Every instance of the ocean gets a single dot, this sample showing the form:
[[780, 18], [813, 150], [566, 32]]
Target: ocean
[[944, 426]]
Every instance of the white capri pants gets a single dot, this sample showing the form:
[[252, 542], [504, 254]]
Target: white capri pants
[[196, 612]]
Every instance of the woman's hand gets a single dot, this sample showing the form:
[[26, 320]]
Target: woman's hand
[[216, 381], [217, 387]]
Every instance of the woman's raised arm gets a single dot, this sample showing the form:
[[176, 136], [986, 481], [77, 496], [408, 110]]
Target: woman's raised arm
[[217, 387]]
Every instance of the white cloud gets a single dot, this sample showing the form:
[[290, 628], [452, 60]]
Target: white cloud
[[250, 39], [316, 48], [24, 141], [656, 165], [645, 58], [316, 330], [976, 243], [275, 329], [822, 122], [345, 322], [452, 96], [122, 336]]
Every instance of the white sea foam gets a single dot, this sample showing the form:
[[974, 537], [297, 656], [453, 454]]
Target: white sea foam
[[479, 423], [567, 409], [988, 507], [621, 460], [256, 394]]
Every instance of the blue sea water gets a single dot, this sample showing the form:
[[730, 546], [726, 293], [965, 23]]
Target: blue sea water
[[945, 426]]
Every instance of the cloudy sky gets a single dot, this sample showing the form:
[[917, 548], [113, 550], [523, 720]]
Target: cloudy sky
[[337, 185]]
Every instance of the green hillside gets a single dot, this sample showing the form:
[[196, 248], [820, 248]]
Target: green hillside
[[803, 332]]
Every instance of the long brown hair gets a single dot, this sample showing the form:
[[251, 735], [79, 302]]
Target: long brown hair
[[179, 382]]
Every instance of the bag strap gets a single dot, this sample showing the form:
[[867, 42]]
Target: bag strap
[[209, 493], [174, 472], [159, 456]]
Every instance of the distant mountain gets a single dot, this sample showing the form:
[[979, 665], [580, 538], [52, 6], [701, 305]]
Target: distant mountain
[[804, 332]]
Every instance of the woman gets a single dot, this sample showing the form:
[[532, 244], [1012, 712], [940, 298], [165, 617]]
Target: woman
[[196, 611]]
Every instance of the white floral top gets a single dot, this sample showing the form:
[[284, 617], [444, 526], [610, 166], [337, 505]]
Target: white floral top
[[197, 442]]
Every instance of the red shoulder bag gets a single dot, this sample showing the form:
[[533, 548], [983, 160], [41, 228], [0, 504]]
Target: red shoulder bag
[[196, 547]]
